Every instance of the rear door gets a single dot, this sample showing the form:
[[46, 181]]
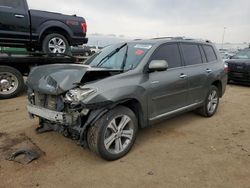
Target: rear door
[[14, 21], [213, 66], [168, 91], [197, 75]]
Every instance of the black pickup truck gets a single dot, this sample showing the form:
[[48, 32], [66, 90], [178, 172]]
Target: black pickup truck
[[39, 30], [239, 67]]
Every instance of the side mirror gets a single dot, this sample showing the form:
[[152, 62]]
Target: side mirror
[[158, 65]]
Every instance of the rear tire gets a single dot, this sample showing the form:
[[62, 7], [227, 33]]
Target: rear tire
[[114, 134], [11, 82], [211, 103], [55, 43]]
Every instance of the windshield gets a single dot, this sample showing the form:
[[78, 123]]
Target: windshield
[[245, 54], [125, 56]]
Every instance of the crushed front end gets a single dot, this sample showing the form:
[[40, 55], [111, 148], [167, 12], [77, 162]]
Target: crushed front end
[[56, 114], [55, 96]]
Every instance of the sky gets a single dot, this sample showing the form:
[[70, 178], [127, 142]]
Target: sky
[[157, 18]]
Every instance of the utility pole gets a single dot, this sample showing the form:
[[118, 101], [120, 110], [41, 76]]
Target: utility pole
[[223, 37]]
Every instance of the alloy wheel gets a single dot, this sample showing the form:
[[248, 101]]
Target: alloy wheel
[[212, 101], [119, 134], [57, 45]]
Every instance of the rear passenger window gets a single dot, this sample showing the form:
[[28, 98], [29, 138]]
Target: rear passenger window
[[170, 53], [192, 54], [11, 3], [209, 51]]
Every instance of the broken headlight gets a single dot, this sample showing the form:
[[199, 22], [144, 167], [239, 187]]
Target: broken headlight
[[79, 94]]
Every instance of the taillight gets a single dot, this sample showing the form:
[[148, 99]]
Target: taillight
[[84, 27], [226, 69]]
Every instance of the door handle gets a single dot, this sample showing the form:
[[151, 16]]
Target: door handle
[[209, 71], [155, 82], [183, 76], [19, 16]]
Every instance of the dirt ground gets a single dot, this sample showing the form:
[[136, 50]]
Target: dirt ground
[[187, 151]]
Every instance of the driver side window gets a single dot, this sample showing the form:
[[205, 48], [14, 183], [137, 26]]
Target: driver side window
[[170, 53]]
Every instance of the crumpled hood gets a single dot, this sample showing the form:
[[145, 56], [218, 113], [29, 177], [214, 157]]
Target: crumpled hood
[[56, 79]]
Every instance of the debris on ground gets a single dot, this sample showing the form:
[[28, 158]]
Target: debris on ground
[[151, 173], [23, 156], [19, 148], [213, 148], [44, 129]]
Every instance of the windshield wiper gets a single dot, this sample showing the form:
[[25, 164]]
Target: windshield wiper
[[106, 58], [125, 59]]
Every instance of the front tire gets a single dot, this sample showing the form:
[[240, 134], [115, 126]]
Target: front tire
[[55, 43], [211, 103], [114, 134], [11, 82]]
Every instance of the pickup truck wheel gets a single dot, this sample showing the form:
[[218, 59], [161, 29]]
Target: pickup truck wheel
[[211, 103], [11, 82], [55, 43], [114, 134]]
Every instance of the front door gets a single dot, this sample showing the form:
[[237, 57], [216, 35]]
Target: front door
[[168, 91]]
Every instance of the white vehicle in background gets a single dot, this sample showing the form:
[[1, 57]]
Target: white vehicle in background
[[95, 49], [85, 50]]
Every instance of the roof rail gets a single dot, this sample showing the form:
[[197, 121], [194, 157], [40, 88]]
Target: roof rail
[[183, 38], [198, 39], [176, 38]]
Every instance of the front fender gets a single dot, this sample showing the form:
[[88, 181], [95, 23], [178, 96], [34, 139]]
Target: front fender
[[119, 94], [97, 113]]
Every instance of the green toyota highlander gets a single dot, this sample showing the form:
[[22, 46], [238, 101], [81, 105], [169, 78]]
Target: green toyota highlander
[[125, 87]]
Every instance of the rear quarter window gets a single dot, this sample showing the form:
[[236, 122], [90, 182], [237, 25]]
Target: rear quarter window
[[210, 53]]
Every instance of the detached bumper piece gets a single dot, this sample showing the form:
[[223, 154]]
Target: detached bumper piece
[[53, 116], [28, 156]]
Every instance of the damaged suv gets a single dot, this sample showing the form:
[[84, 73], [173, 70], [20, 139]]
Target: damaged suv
[[124, 87]]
